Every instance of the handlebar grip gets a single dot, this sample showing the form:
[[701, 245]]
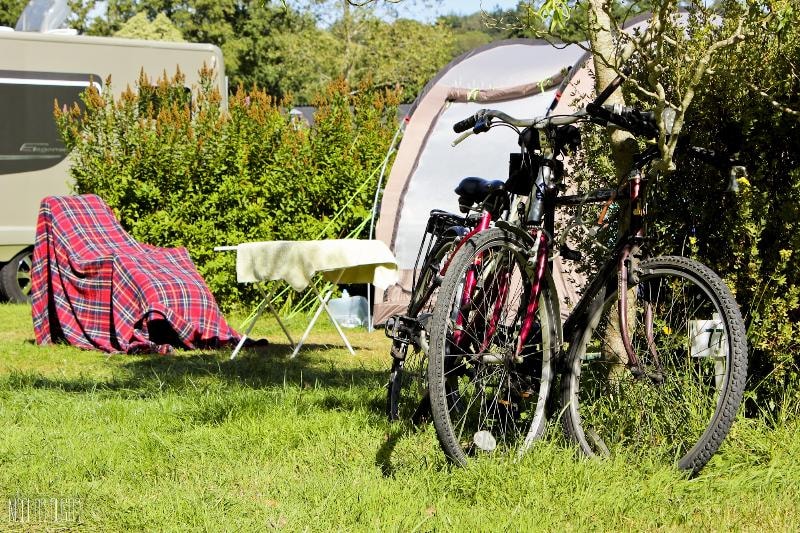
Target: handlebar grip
[[642, 123], [466, 124]]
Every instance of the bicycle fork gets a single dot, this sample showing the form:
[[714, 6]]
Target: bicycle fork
[[540, 252], [627, 273]]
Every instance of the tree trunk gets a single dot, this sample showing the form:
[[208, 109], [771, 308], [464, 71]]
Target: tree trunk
[[623, 147], [606, 57]]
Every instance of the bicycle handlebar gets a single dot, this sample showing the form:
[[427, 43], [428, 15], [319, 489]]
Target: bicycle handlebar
[[640, 123], [467, 123], [481, 121], [636, 121]]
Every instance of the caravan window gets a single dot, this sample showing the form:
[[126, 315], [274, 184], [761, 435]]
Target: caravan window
[[30, 141]]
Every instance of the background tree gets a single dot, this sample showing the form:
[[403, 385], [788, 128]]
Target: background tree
[[10, 10], [750, 102], [405, 53], [140, 27], [293, 49], [476, 29], [370, 49]]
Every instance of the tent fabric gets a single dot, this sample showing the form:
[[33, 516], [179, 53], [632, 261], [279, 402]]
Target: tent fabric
[[458, 94], [95, 287], [517, 76]]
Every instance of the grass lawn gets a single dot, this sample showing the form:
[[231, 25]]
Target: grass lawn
[[197, 442]]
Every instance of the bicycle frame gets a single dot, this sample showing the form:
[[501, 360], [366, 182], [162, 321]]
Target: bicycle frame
[[497, 338], [623, 259], [539, 217], [483, 224], [470, 281]]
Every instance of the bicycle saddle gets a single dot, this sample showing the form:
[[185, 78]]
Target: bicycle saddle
[[474, 190]]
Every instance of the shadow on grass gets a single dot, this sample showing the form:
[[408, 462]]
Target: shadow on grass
[[264, 367], [383, 459], [325, 381], [399, 430]]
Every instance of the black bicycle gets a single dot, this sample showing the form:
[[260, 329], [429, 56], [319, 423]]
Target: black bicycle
[[481, 202], [654, 353]]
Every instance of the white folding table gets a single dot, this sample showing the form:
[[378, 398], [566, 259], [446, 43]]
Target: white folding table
[[298, 262]]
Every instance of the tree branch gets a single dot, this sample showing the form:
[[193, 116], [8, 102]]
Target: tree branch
[[774, 103]]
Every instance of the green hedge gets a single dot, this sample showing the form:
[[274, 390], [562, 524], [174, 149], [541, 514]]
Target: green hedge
[[753, 237], [192, 174], [751, 100]]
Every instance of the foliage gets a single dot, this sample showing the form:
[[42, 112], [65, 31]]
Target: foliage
[[285, 51], [10, 10], [403, 54], [286, 54], [208, 21], [476, 29], [749, 106], [194, 175], [564, 21], [141, 27]]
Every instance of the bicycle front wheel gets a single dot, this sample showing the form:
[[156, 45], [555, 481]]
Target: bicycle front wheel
[[688, 334], [490, 352]]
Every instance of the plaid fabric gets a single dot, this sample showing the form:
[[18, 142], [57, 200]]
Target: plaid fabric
[[95, 287]]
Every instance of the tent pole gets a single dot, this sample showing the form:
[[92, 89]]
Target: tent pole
[[392, 146], [383, 173]]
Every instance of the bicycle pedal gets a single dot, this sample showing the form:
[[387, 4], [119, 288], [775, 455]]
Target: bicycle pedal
[[394, 329], [403, 329]]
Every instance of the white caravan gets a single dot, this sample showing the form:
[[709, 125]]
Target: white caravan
[[36, 69]]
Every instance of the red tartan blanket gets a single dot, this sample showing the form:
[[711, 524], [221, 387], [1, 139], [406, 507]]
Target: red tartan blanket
[[95, 287]]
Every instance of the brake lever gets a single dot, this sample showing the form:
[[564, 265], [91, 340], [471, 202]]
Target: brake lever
[[462, 137], [483, 125]]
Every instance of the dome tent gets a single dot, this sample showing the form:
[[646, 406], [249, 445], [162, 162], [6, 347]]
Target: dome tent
[[517, 76]]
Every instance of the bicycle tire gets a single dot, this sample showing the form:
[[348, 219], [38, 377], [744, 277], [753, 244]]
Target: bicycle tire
[[479, 404], [690, 337], [407, 390]]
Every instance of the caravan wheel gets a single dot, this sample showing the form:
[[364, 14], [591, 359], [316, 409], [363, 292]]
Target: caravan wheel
[[15, 277]]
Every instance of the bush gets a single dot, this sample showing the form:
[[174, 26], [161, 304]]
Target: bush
[[753, 237], [192, 174]]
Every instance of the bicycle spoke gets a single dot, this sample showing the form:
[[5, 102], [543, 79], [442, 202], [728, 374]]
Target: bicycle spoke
[[489, 396], [677, 314]]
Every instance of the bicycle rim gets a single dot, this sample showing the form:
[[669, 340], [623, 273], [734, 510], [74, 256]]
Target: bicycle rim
[[487, 394], [688, 333]]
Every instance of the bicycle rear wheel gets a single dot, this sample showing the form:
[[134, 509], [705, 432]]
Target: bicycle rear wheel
[[689, 335], [407, 391], [488, 392]]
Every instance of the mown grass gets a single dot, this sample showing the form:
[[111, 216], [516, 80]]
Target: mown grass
[[197, 442]]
